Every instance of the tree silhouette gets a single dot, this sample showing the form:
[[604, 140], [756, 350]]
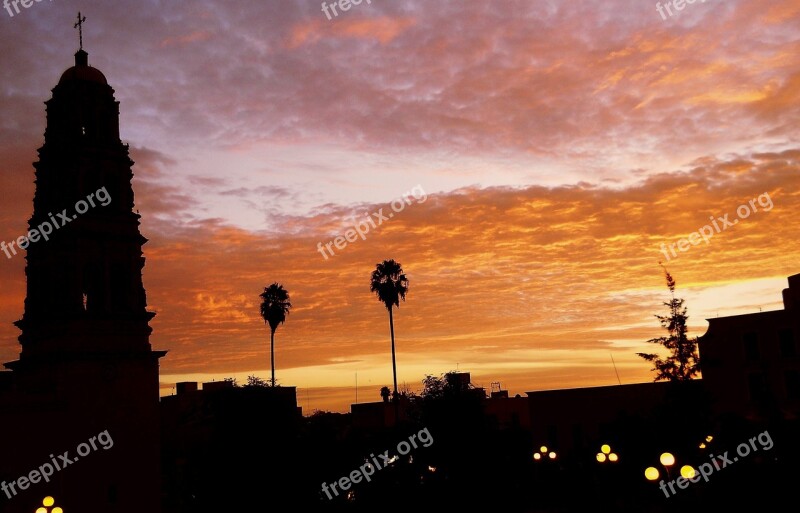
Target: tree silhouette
[[385, 392], [256, 382], [683, 361], [390, 285], [275, 307]]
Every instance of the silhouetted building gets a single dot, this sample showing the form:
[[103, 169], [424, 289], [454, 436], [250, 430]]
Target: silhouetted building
[[751, 362], [379, 415], [281, 402], [224, 442], [507, 412], [86, 365], [578, 419], [463, 381]]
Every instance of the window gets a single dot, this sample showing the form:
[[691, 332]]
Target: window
[[788, 347], [792, 378], [751, 346]]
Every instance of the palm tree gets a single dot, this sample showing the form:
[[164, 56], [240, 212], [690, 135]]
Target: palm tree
[[390, 285], [275, 307]]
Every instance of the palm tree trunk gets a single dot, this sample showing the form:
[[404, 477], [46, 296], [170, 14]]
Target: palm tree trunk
[[272, 354], [394, 363]]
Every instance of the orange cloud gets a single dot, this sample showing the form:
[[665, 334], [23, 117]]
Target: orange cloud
[[500, 279], [383, 29], [506, 282]]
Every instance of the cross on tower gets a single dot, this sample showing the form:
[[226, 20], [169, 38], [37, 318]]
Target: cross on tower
[[79, 26]]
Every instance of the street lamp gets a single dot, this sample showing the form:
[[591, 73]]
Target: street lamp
[[667, 460], [47, 502], [605, 454], [544, 451]]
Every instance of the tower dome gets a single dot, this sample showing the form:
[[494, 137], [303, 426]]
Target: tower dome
[[82, 71]]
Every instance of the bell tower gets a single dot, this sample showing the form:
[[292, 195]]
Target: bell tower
[[86, 364], [84, 284]]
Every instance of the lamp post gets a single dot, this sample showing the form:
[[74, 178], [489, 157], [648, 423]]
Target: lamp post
[[605, 455], [545, 472], [544, 453], [47, 502], [688, 472], [651, 473], [667, 460]]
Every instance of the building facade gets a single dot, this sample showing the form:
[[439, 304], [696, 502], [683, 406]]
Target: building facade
[[751, 362]]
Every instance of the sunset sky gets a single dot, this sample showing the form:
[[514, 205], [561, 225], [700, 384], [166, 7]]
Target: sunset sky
[[558, 145]]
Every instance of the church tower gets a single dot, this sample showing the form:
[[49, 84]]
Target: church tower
[[86, 364], [85, 291]]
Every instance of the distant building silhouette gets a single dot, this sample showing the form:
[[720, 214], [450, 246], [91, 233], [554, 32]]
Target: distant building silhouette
[[577, 419], [224, 443], [508, 412], [751, 362], [379, 414], [376, 415], [86, 364]]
